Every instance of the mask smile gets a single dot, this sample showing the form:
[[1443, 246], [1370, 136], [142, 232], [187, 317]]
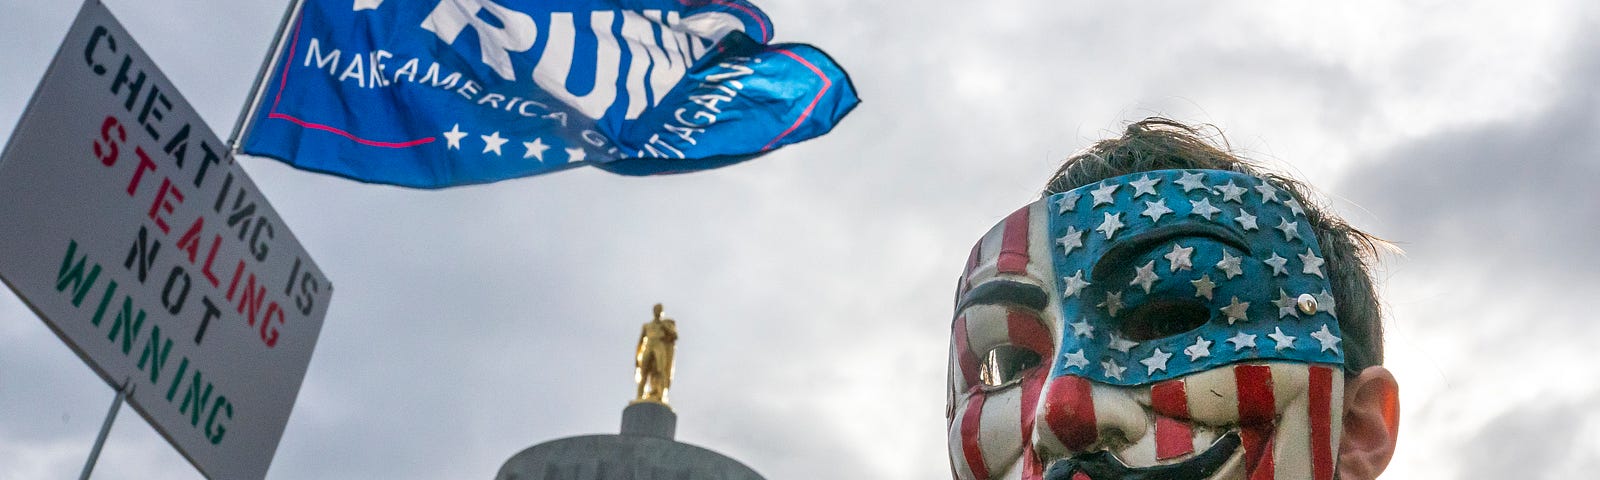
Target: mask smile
[[1102, 465]]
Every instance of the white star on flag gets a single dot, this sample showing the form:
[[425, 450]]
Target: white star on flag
[[1277, 263], [1145, 276], [1268, 194], [1112, 222], [576, 154], [1284, 342], [1112, 369], [1155, 210], [1067, 202], [1121, 344], [1229, 265], [1179, 258], [1102, 195], [1200, 349], [1246, 220], [1144, 185], [1313, 263], [535, 148], [1290, 229], [1241, 340], [454, 136], [1070, 240], [1203, 286], [1286, 305], [1075, 359], [1231, 193], [1191, 181], [1113, 303], [492, 142], [1326, 338], [1082, 328], [1236, 310], [1294, 206], [1074, 283], [1157, 361], [1203, 208]]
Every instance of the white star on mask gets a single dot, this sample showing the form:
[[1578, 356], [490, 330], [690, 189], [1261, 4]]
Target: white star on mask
[[1121, 344], [1145, 276], [492, 142], [1070, 240], [1246, 220], [1294, 206], [1290, 229], [1325, 303], [1144, 185], [1236, 310], [1191, 181], [1200, 349], [1075, 359], [1229, 265], [1179, 258], [1328, 340], [1284, 342], [1157, 361], [1231, 193], [1113, 303], [1074, 284], [1067, 202], [1112, 369], [1082, 328], [1241, 340], [1268, 194], [1110, 225], [1102, 195], [454, 136], [1286, 305], [1203, 208], [1155, 210], [535, 149], [1277, 263], [1313, 263], [1203, 286]]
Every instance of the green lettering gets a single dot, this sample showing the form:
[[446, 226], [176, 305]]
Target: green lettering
[[71, 274], [183, 366], [133, 323], [151, 352], [195, 397]]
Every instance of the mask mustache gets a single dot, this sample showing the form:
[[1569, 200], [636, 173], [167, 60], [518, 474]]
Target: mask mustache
[[1102, 465]]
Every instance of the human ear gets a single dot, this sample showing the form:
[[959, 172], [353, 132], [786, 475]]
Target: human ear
[[1371, 424]]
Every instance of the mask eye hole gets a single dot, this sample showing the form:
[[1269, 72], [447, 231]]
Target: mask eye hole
[[1161, 318], [1003, 366]]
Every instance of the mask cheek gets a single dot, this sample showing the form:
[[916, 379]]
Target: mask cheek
[[985, 437], [1287, 414]]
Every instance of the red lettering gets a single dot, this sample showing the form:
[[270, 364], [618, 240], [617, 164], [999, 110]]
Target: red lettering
[[163, 204], [109, 150], [138, 173], [216, 242], [190, 242], [252, 298], [234, 285], [270, 336]]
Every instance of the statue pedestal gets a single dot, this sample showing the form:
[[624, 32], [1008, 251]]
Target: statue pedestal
[[649, 419], [644, 450]]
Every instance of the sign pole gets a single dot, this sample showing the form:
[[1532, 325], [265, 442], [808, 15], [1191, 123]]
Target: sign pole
[[105, 428]]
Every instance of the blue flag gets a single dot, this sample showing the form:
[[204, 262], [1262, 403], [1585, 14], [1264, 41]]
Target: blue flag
[[436, 93]]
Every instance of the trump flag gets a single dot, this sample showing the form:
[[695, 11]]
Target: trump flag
[[437, 93]]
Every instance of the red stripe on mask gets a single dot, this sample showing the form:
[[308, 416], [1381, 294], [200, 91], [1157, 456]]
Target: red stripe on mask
[[1320, 413], [1014, 244], [1174, 438], [1069, 411], [1256, 411]]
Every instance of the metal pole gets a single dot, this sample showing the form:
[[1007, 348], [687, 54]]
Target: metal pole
[[254, 98], [105, 429]]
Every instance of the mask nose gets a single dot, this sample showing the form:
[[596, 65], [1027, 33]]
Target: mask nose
[[1079, 416]]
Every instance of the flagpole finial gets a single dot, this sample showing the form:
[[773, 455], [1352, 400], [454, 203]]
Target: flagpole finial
[[652, 359]]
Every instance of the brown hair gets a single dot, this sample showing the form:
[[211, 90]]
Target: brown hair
[[1159, 144]]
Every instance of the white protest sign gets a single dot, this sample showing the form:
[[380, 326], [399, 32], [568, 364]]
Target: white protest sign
[[128, 228]]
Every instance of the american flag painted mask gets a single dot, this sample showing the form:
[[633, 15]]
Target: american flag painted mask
[[1166, 324]]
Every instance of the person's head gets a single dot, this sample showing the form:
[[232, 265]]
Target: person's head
[[1169, 310]]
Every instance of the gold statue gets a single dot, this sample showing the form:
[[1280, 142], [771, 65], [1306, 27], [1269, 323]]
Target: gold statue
[[652, 362]]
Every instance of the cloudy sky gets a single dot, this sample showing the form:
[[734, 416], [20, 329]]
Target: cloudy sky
[[812, 286]]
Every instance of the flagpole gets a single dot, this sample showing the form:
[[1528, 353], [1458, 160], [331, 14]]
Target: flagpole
[[271, 58], [105, 428]]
